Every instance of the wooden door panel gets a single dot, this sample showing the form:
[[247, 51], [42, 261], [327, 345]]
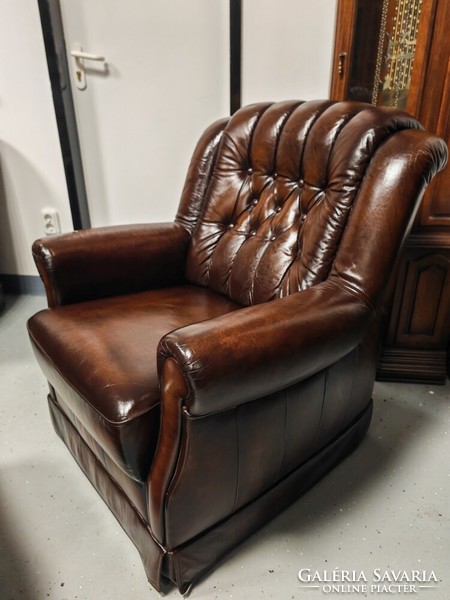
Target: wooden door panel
[[436, 204], [422, 314], [343, 48]]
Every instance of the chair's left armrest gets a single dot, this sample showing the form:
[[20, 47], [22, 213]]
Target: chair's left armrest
[[108, 261], [256, 351]]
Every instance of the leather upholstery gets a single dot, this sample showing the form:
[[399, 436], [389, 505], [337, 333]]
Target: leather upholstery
[[119, 403], [204, 373], [108, 261], [280, 196]]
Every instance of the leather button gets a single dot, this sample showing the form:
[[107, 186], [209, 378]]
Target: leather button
[[278, 209], [249, 171], [300, 182], [255, 201], [230, 226], [275, 175], [303, 218], [273, 238], [253, 232]]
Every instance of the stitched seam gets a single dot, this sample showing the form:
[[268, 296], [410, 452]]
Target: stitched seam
[[283, 452], [322, 410], [238, 461], [344, 414], [173, 482]]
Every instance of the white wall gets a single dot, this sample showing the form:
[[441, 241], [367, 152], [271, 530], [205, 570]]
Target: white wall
[[287, 49], [31, 169]]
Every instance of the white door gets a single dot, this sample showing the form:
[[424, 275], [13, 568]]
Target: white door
[[164, 81]]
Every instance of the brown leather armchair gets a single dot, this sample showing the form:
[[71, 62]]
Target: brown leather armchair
[[204, 373]]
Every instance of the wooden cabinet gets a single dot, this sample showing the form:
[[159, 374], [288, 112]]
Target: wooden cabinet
[[397, 53]]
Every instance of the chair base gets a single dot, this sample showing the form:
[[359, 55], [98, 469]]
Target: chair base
[[186, 564]]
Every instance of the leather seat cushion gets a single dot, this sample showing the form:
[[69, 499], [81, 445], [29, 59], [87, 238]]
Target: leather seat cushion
[[100, 356]]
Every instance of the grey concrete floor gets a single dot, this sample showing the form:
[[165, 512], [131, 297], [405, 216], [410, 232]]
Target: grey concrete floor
[[385, 507]]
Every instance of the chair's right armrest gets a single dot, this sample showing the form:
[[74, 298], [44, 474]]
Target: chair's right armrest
[[258, 350], [108, 261], [211, 367]]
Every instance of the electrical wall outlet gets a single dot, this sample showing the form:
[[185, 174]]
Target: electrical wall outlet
[[51, 221]]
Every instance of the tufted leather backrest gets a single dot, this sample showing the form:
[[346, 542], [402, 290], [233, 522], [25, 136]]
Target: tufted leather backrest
[[281, 182]]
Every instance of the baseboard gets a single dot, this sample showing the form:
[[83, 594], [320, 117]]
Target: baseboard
[[22, 284], [410, 365]]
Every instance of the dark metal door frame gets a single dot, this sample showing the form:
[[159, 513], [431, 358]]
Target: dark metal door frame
[[235, 54], [58, 68]]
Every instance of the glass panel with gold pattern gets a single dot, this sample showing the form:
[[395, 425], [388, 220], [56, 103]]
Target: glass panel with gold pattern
[[383, 51]]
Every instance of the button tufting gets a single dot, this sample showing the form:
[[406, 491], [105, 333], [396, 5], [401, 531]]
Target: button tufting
[[249, 170], [253, 232], [275, 175], [255, 201], [273, 238], [278, 209], [300, 182], [303, 218], [230, 226]]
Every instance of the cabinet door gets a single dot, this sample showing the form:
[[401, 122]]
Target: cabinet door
[[415, 345], [379, 52], [419, 314], [434, 113]]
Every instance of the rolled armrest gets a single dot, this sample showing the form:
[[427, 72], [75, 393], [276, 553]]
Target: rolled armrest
[[253, 352], [108, 261]]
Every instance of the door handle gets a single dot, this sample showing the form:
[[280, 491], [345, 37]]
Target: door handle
[[86, 55], [341, 64], [79, 57]]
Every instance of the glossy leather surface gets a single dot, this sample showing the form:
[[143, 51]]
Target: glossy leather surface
[[208, 371], [108, 261], [281, 193], [101, 357]]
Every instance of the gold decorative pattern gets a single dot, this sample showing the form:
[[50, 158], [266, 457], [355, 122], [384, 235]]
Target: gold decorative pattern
[[381, 39], [395, 55]]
